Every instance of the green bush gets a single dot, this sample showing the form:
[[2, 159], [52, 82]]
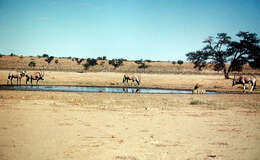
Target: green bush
[[196, 102]]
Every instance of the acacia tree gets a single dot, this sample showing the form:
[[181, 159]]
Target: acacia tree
[[227, 55]]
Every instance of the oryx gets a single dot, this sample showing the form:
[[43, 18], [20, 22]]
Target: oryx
[[17, 75], [35, 76], [245, 80], [197, 90], [133, 78]]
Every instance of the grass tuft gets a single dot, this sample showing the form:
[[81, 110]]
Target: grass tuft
[[196, 102]]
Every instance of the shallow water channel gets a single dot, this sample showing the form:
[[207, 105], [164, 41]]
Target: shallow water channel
[[99, 89]]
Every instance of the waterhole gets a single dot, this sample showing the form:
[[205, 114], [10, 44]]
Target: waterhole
[[100, 89]]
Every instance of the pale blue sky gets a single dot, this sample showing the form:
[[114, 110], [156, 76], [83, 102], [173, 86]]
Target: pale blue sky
[[132, 29]]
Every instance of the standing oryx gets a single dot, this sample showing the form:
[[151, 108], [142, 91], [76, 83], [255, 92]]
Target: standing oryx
[[197, 90], [17, 75], [245, 80], [133, 78], [35, 76]]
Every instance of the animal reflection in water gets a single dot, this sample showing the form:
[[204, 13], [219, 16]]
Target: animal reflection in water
[[131, 90], [133, 78]]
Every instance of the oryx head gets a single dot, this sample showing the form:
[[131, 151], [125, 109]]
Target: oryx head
[[41, 75], [23, 73], [234, 82]]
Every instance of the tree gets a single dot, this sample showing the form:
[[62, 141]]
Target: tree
[[227, 55]]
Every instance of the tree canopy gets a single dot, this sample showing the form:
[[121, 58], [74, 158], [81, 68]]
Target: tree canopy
[[227, 55]]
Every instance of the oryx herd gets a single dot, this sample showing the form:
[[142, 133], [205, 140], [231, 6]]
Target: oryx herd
[[242, 79], [39, 75], [30, 76]]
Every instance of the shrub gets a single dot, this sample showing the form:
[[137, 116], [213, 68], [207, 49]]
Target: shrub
[[143, 66], [148, 60], [12, 54], [45, 55], [196, 102], [139, 61], [116, 62], [99, 58], [173, 62], [180, 62], [56, 61], [90, 62], [79, 60], [32, 64], [49, 59]]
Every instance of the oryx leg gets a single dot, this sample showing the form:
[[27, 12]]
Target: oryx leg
[[244, 87], [20, 80], [138, 83], [11, 80], [252, 86]]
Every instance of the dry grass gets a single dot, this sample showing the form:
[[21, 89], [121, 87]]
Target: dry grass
[[65, 64]]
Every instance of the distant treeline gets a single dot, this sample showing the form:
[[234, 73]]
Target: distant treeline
[[143, 64]]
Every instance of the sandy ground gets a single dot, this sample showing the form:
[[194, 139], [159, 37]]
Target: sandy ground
[[102, 126]]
